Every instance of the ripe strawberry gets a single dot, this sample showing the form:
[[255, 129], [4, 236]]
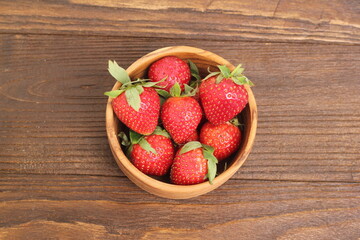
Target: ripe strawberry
[[193, 137], [224, 138], [223, 95], [152, 154], [144, 120], [136, 104], [173, 69], [193, 163], [180, 116]]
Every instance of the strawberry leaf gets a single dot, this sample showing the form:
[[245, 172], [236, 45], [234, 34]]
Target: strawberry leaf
[[162, 100], [225, 71], [239, 80], [139, 88], [124, 139], [133, 98], [153, 84], [190, 146], [146, 146], [163, 93], [114, 93], [194, 70], [245, 80], [212, 168], [162, 132], [175, 90], [149, 84], [219, 78], [135, 137], [235, 121], [190, 91], [237, 71], [118, 72], [211, 75], [212, 163], [249, 82], [128, 151], [208, 148]]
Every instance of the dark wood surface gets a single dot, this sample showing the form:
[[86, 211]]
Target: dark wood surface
[[58, 179]]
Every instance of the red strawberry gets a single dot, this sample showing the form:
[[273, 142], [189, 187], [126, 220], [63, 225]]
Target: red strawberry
[[180, 115], [173, 69], [193, 163], [152, 154], [224, 138], [223, 95], [136, 104], [143, 121], [193, 137]]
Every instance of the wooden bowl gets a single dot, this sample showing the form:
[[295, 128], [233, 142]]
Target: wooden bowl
[[202, 59]]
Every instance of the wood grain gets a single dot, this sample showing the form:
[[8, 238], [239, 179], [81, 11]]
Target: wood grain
[[93, 207], [52, 117], [58, 178], [265, 20]]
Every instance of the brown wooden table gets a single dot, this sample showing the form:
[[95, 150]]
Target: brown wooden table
[[58, 178]]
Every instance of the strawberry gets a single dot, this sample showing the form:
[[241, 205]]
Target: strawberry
[[193, 163], [173, 69], [193, 137], [223, 95], [152, 154], [180, 115], [136, 103], [224, 138]]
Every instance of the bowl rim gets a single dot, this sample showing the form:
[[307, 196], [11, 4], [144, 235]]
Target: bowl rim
[[158, 187]]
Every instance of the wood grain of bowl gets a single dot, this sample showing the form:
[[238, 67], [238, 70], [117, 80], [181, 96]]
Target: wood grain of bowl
[[202, 59]]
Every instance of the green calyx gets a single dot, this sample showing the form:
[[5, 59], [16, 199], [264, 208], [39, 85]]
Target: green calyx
[[136, 138], [194, 70], [118, 72], [125, 141], [132, 89], [235, 121], [175, 91], [208, 153], [190, 146], [235, 75], [193, 88], [161, 132]]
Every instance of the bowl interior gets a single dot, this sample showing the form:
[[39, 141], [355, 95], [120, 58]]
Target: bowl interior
[[161, 186]]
